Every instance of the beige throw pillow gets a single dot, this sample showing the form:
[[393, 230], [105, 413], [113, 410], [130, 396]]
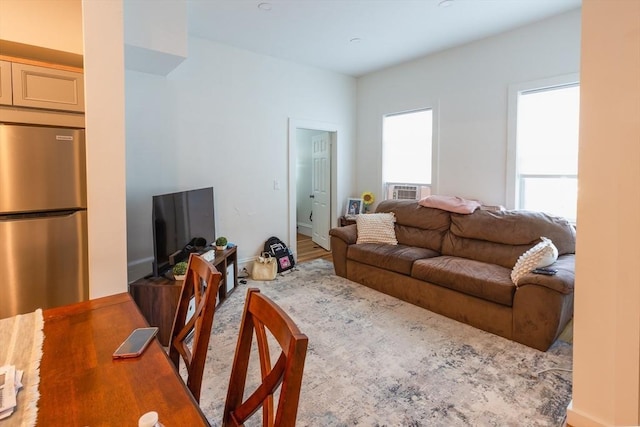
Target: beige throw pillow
[[541, 255], [377, 228]]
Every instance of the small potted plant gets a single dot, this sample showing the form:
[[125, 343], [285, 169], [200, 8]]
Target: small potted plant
[[179, 270], [221, 243]]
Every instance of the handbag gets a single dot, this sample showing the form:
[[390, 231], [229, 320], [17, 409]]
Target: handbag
[[264, 268]]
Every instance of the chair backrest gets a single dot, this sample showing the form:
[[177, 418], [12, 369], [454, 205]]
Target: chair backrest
[[201, 284], [260, 313]]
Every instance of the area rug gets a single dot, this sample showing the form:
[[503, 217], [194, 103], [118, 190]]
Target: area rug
[[374, 360]]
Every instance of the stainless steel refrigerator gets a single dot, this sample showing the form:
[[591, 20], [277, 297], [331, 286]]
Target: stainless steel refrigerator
[[43, 218]]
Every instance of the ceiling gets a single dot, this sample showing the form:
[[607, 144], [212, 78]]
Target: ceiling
[[356, 37]]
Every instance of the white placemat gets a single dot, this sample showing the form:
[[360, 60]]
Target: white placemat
[[21, 339]]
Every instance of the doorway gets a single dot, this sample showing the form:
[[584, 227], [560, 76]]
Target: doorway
[[312, 148], [313, 185]]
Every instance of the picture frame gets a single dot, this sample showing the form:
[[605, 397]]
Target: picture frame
[[354, 207]]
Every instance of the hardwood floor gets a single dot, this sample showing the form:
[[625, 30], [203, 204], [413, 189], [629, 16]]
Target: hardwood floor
[[308, 250]]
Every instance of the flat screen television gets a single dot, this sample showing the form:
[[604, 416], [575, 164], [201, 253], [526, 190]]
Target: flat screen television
[[182, 223]]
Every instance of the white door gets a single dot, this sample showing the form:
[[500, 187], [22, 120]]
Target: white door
[[321, 184]]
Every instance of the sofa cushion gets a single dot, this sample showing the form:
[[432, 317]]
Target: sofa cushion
[[487, 281], [398, 258], [376, 228], [541, 255], [416, 225], [481, 250], [518, 227], [501, 237]]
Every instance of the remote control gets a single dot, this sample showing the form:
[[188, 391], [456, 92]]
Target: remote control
[[545, 271]]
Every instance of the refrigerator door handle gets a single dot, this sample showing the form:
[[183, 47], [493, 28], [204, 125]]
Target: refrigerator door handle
[[36, 215]]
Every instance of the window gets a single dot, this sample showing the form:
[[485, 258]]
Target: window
[[407, 153], [546, 149]]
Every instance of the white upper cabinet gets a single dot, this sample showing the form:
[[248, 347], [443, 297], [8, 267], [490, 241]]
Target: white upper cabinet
[[47, 88], [5, 83]]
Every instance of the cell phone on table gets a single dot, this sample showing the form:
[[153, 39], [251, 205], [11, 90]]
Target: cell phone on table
[[136, 343]]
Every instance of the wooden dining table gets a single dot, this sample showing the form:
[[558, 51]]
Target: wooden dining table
[[82, 385]]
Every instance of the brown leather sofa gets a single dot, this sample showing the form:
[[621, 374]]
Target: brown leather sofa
[[459, 265]]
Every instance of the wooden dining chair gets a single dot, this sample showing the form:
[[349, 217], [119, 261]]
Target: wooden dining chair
[[262, 314], [190, 337]]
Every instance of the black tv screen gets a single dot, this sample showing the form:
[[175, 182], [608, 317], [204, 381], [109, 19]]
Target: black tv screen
[[181, 219]]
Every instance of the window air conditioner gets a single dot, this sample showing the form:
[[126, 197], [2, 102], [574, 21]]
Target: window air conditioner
[[407, 191]]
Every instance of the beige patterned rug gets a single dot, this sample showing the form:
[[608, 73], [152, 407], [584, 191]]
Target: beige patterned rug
[[374, 360]]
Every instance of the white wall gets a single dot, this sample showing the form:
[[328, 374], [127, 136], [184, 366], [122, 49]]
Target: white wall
[[105, 130], [53, 25], [606, 379], [221, 119], [155, 35], [467, 87]]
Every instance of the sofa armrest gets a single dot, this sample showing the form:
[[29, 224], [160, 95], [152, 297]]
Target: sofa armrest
[[543, 305], [540, 314], [562, 282], [349, 233], [341, 239]]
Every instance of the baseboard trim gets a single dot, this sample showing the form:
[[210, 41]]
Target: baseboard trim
[[580, 419], [139, 268], [305, 229]]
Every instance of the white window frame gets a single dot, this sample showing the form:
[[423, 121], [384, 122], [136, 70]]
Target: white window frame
[[435, 142], [512, 196]]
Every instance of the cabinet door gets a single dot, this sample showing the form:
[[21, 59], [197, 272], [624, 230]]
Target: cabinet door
[[41, 87], [5, 83]]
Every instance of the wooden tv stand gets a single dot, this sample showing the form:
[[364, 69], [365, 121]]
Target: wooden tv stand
[[157, 297]]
